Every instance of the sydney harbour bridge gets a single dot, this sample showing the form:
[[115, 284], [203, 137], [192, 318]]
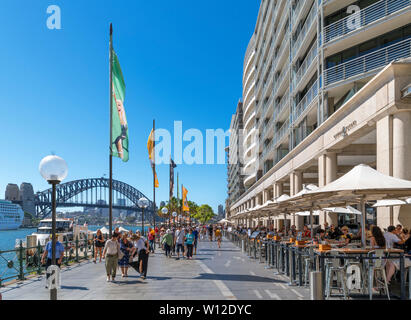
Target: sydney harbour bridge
[[91, 193]]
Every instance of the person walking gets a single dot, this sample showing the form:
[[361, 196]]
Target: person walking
[[98, 245], [189, 241], [210, 232], [48, 253], [143, 253], [168, 243], [126, 247], [179, 242], [151, 237], [196, 236], [111, 253], [218, 236]]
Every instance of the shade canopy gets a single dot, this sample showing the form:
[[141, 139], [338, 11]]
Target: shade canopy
[[307, 213], [104, 230], [389, 203], [121, 229], [347, 210]]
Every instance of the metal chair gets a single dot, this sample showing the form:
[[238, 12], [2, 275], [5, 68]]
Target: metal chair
[[333, 268], [376, 270]]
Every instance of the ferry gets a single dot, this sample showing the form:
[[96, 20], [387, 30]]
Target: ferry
[[66, 229], [11, 215]]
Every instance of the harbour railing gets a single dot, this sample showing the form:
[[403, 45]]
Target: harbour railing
[[22, 262]]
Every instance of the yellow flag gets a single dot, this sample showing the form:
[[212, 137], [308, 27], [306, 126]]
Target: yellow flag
[[185, 202], [150, 146], [156, 184]]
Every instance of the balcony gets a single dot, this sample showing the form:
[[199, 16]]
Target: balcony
[[302, 37], [267, 128], [368, 64], [278, 137], [305, 102], [305, 66], [281, 106], [296, 11], [366, 16], [284, 45], [280, 79]]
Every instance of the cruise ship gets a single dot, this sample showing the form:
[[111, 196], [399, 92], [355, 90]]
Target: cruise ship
[[11, 215]]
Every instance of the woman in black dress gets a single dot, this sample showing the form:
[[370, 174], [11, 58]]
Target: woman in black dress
[[99, 245]]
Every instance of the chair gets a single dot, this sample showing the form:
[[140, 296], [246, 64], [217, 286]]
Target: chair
[[333, 268], [377, 268]]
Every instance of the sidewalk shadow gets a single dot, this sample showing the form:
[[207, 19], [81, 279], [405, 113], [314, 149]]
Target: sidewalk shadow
[[74, 288], [221, 250], [236, 277]]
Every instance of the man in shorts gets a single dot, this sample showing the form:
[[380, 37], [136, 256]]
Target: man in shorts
[[218, 236], [179, 241]]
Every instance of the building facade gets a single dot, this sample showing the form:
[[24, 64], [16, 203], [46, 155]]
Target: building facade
[[235, 181], [326, 95]]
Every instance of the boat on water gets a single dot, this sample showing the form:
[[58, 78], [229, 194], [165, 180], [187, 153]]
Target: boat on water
[[11, 215]]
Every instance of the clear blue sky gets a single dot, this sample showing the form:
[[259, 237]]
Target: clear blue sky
[[181, 60]]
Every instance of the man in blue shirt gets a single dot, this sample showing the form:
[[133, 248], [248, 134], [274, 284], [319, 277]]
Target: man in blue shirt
[[189, 240], [48, 252]]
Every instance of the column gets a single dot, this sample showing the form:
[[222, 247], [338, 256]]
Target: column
[[401, 160], [327, 172], [385, 216], [298, 186], [278, 189]]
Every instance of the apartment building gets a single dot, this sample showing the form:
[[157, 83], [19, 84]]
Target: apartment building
[[316, 67]]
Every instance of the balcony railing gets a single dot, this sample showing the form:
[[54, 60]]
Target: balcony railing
[[307, 25], [280, 107], [277, 138], [296, 11], [306, 101], [368, 63], [280, 79], [269, 126], [363, 17], [305, 65]]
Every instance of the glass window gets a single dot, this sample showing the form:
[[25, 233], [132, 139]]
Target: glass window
[[368, 47], [349, 54], [391, 38], [333, 61], [407, 32], [365, 3]]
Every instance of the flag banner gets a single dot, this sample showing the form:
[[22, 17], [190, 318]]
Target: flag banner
[[185, 202], [119, 120], [172, 166], [150, 147], [156, 184]]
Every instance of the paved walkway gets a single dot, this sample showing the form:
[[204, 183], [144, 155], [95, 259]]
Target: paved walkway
[[217, 274]]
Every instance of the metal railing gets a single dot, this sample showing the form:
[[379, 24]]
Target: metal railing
[[306, 101], [25, 261], [278, 136], [298, 76], [280, 107], [304, 30], [296, 11], [368, 63], [281, 78], [364, 17], [284, 45]]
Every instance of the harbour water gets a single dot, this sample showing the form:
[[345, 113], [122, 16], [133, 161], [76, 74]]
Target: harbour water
[[8, 241]]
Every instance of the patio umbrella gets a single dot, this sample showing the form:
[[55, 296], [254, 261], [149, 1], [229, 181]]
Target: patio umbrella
[[360, 184], [280, 199], [121, 229], [389, 203], [104, 230], [348, 210], [308, 213], [306, 189]]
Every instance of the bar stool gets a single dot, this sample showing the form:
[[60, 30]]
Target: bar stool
[[376, 268], [333, 268]]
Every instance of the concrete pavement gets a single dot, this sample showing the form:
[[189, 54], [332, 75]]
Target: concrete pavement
[[213, 274]]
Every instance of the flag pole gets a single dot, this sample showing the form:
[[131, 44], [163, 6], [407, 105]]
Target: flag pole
[[111, 135], [178, 197], [154, 179], [169, 197]]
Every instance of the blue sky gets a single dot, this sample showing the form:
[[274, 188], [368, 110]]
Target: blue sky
[[181, 60]]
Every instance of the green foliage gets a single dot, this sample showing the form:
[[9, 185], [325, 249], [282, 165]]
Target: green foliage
[[204, 213]]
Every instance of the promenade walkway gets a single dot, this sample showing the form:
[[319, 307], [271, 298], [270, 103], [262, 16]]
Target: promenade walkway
[[214, 274]]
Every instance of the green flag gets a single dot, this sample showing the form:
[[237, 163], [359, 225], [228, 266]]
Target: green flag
[[119, 145]]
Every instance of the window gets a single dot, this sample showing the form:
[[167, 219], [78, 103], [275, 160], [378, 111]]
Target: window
[[391, 38], [368, 47]]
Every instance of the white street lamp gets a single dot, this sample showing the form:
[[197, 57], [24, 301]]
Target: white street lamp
[[164, 211], [54, 170], [142, 203]]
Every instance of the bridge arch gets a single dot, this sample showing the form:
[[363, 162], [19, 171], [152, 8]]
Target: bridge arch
[[68, 190]]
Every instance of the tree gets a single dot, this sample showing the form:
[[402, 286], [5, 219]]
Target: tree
[[204, 213]]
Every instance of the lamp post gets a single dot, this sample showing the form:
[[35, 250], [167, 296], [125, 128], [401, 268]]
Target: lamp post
[[54, 170], [142, 203], [174, 216], [164, 211], [179, 219]]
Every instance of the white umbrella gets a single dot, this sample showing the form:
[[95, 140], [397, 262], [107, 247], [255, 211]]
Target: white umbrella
[[104, 230], [308, 213], [408, 201], [362, 183], [348, 210], [389, 203], [121, 229]]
